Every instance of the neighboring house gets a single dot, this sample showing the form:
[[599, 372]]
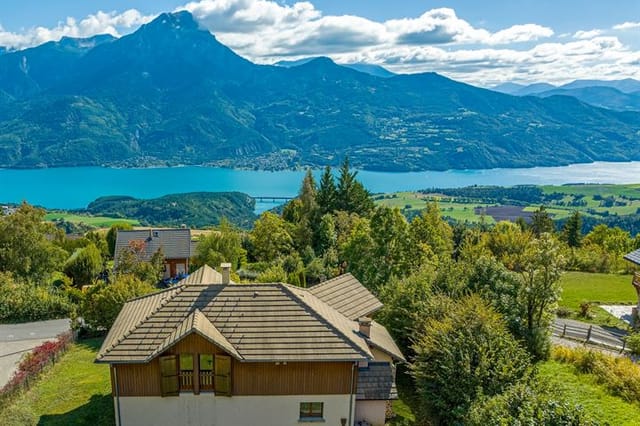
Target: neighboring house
[[175, 245], [211, 352], [634, 257]]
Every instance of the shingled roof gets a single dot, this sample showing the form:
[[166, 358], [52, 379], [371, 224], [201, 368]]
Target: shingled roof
[[633, 257], [175, 243], [375, 382], [347, 295]]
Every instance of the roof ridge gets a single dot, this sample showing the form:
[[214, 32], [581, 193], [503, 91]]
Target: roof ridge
[[289, 289]]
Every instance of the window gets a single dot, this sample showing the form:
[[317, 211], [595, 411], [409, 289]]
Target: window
[[310, 411], [206, 372], [186, 372]]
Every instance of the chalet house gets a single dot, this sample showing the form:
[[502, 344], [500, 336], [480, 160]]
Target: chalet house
[[634, 257], [175, 245], [211, 352]]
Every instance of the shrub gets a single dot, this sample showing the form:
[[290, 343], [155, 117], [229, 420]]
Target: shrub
[[34, 363], [466, 353], [103, 302], [563, 312], [633, 343], [619, 374], [21, 301], [586, 310], [526, 403]]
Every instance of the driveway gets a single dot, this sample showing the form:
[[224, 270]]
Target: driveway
[[17, 339]]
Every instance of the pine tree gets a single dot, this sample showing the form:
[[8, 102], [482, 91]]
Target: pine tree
[[541, 222], [352, 196], [327, 193], [572, 230]]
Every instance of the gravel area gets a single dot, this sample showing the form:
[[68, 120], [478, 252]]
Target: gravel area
[[619, 311]]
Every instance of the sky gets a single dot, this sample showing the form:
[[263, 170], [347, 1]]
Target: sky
[[479, 42]]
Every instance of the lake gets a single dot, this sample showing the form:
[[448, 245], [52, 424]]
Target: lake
[[75, 187]]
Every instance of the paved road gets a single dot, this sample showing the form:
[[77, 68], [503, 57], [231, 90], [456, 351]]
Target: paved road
[[578, 330], [16, 339]]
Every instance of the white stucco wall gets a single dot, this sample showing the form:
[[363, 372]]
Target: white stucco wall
[[373, 412], [207, 409]]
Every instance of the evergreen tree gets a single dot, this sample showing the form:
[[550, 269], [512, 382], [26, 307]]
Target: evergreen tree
[[327, 192], [352, 196], [571, 230], [541, 222]]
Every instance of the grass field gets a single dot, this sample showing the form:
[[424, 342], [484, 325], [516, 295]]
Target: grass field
[[607, 289], [75, 391], [414, 201], [97, 221], [582, 389]]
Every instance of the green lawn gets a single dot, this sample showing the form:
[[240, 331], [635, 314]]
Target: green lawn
[[75, 391], [607, 289], [582, 389], [97, 221], [417, 201]]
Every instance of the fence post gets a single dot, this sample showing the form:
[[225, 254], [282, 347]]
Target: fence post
[[589, 333], [564, 330], [624, 345]]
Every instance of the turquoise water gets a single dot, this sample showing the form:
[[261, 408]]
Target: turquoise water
[[69, 188]]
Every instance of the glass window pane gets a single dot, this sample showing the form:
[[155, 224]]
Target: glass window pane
[[206, 362], [186, 362]]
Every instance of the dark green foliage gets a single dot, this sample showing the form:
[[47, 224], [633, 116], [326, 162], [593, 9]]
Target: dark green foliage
[[541, 222], [462, 354], [84, 265], [196, 209], [103, 302], [351, 195], [527, 403], [112, 235], [327, 192]]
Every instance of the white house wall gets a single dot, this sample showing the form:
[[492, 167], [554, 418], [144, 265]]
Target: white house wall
[[206, 409], [373, 412]]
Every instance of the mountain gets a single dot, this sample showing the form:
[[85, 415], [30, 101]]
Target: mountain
[[375, 70], [508, 88], [604, 97], [627, 85], [170, 93], [534, 89]]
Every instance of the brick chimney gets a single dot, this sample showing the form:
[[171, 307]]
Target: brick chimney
[[226, 272], [365, 326]]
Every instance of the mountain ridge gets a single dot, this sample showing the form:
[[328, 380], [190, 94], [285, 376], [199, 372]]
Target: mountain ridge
[[171, 93]]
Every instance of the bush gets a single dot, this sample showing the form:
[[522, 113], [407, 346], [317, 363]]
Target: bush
[[526, 404], [21, 301], [563, 312], [586, 310], [103, 302], [620, 375], [34, 363], [466, 353], [633, 343]]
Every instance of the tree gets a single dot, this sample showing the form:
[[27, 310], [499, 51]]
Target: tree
[[351, 195], [103, 302], [327, 192], [572, 230], [541, 222], [270, 238], [539, 292], [508, 243], [26, 247], [429, 228], [112, 235], [462, 354], [132, 260], [84, 265], [223, 244]]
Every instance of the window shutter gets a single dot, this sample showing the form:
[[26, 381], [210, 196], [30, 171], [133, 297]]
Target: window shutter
[[169, 375], [222, 384]]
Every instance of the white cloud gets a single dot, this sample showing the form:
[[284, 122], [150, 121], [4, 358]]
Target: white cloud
[[627, 26], [582, 35], [266, 31], [98, 23]]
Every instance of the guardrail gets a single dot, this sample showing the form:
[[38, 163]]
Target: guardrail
[[591, 335]]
